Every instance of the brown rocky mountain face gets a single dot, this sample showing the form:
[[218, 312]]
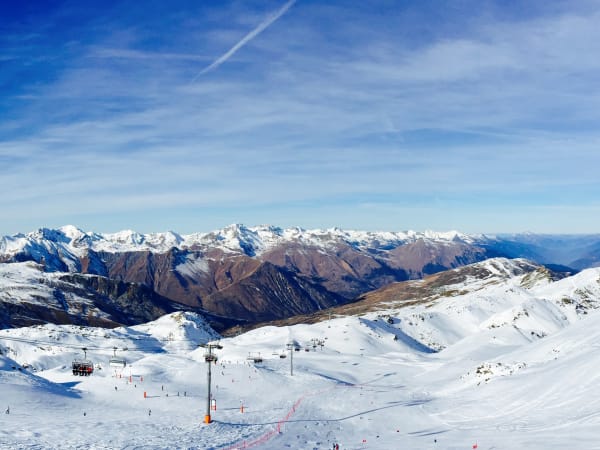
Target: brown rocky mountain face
[[188, 287], [269, 293], [342, 270], [235, 286], [282, 282], [422, 258]]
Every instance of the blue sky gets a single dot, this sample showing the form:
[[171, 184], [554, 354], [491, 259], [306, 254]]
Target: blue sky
[[478, 116]]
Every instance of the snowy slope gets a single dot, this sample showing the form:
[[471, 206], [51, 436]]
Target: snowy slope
[[374, 384], [540, 395], [526, 301]]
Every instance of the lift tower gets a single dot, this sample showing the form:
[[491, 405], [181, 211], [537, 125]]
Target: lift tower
[[209, 357]]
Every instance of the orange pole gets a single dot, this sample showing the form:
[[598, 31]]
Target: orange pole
[[144, 394], [207, 418]]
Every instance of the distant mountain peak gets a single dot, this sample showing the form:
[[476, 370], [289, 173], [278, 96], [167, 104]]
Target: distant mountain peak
[[72, 231], [50, 234]]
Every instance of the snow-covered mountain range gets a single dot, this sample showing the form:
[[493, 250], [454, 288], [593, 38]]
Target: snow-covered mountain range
[[246, 274], [241, 273], [70, 242]]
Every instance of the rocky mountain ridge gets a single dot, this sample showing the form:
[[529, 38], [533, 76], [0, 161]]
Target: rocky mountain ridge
[[256, 274]]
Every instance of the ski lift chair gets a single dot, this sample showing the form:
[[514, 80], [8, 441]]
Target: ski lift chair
[[115, 361], [82, 367]]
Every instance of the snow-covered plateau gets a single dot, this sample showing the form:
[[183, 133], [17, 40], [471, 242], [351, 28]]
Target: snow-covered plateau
[[509, 361]]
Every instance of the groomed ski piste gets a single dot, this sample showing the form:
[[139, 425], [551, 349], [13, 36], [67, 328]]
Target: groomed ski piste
[[502, 365]]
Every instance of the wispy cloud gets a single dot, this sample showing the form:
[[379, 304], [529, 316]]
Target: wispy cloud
[[125, 53], [256, 31]]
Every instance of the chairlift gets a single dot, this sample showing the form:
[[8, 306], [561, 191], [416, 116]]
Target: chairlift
[[256, 358], [82, 367], [116, 361], [292, 344], [210, 357]]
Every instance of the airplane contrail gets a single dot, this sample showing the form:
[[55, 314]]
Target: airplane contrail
[[261, 27]]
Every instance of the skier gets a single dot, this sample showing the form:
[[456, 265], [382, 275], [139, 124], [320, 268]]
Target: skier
[[149, 412], [8, 410], [115, 388]]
